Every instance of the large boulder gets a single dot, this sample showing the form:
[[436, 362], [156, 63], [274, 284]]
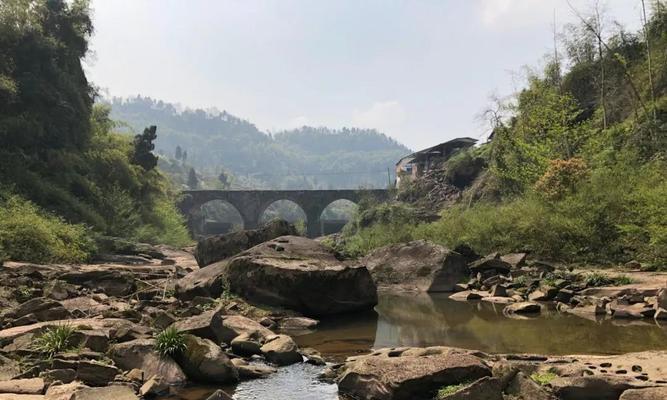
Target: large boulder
[[408, 373], [300, 274], [215, 248], [141, 354], [418, 265], [204, 361]]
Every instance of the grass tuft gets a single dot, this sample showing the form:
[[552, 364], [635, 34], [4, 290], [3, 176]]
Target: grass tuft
[[170, 342], [55, 340]]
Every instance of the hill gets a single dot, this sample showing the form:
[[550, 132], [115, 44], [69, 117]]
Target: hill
[[304, 158]]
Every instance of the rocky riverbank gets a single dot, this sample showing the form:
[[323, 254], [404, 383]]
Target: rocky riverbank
[[145, 320]]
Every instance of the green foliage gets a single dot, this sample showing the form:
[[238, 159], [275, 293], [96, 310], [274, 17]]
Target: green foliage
[[55, 340], [59, 153], [143, 147], [30, 234], [166, 225], [543, 378], [595, 279], [170, 342], [448, 390]]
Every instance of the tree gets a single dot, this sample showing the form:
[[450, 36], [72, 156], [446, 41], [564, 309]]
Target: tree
[[193, 181], [179, 153], [143, 147], [224, 179], [184, 156]]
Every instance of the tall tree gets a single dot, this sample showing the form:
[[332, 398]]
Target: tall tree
[[178, 153], [193, 181], [143, 149]]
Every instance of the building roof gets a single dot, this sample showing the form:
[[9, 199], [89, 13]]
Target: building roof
[[438, 149]]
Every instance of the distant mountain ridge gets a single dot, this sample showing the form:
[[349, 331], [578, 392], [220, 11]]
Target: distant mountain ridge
[[303, 158]]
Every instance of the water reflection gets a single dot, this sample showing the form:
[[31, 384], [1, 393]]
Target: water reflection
[[428, 320]]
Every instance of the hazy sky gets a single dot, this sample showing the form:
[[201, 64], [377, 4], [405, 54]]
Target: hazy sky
[[420, 71]]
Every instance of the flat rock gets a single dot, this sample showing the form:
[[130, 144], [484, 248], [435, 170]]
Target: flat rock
[[218, 247], [418, 265], [23, 386], [407, 375], [115, 392], [523, 387], [591, 387], [654, 393]]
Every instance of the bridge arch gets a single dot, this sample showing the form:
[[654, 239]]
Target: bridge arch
[[288, 210], [252, 203], [220, 216], [337, 214]]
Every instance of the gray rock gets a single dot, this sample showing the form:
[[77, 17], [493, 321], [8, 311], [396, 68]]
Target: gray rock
[[219, 395], [303, 275], [204, 361], [654, 393], [115, 392], [219, 247], [525, 307], [252, 371], [140, 354], [95, 374], [407, 375], [22, 386], [418, 265], [523, 387], [490, 262], [590, 387], [485, 388], [281, 350]]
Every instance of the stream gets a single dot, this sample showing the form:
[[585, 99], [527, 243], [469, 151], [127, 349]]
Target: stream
[[411, 319]]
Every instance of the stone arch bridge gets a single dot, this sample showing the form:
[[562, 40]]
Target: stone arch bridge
[[251, 204]]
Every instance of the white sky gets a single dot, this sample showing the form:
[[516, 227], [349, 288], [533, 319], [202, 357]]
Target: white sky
[[420, 71]]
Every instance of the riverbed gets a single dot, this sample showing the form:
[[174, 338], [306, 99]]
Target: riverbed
[[411, 319]]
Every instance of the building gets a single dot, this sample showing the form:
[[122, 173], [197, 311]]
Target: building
[[416, 164]]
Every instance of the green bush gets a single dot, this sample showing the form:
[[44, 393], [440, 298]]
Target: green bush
[[28, 233], [166, 226], [170, 342]]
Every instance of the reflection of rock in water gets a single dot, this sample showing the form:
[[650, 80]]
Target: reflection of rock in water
[[417, 319]]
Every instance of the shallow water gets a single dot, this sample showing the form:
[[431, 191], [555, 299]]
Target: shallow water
[[430, 320]]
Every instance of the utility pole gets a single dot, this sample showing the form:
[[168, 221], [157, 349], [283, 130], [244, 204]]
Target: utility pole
[[388, 178]]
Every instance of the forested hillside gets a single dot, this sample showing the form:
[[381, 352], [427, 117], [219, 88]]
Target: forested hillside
[[577, 165], [65, 176], [304, 158]]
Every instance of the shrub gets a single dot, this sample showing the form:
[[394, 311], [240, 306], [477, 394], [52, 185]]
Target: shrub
[[595, 279], [28, 233], [170, 342], [561, 177], [543, 378], [166, 226], [55, 340]]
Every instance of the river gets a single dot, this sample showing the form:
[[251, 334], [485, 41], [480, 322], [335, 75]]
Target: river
[[430, 320]]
